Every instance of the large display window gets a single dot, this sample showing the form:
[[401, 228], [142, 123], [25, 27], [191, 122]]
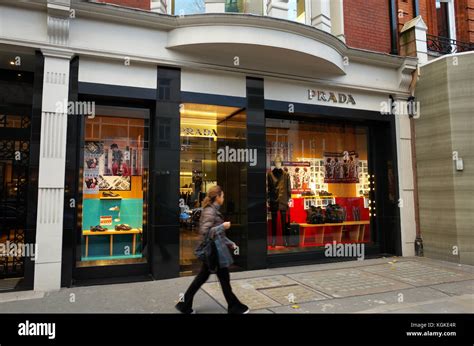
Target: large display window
[[318, 185], [114, 187]]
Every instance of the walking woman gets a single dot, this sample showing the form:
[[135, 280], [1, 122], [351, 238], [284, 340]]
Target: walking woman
[[212, 224]]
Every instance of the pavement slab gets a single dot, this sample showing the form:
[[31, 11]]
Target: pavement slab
[[347, 282], [418, 274]]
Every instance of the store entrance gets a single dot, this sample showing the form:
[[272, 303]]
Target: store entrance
[[206, 131]]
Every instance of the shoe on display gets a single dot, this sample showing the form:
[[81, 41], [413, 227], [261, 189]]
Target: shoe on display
[[239, 309], [123, 227], [115, 208], [184, 309], [98, 229], [110, 194]]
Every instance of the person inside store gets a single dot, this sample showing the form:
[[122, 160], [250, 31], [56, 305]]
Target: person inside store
[[211, 224], [279, 194]]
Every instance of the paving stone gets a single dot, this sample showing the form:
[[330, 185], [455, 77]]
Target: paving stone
[[456, 288], [379, 302], [347, 282], [290, 295], [265, 282], [418, 274], [246, 294]]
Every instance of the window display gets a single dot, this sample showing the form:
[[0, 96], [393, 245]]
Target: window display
[[114, 188], [318, 185]]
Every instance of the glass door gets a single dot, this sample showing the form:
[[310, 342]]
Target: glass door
[[205, 131]]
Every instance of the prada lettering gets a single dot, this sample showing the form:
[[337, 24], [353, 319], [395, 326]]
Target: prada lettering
[[189, 131], [329, 96]]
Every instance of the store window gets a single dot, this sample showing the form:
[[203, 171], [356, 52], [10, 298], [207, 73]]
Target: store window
[[318, 185], [114, 187], [185, 7], [244, 6], [297, 11], [206, 129]]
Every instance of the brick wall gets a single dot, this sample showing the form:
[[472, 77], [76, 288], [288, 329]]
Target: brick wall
[[367, 24], [141, 4], [465, 20]]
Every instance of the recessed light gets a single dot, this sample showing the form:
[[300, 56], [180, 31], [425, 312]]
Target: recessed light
[[19, 74], [12, 63]]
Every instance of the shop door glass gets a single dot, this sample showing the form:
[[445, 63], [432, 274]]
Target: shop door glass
[[203, 132], [114, 187]]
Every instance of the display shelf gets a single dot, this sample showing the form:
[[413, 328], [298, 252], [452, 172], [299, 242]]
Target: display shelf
[[134, 231]]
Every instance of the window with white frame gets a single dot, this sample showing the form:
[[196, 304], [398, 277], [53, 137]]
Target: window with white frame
[[445, 19]]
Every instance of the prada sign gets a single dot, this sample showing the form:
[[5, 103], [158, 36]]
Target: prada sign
[[329, 96]]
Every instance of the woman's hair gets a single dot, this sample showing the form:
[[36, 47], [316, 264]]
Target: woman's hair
[[212, 194]]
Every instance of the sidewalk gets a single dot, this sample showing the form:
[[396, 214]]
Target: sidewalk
[[385, 285]]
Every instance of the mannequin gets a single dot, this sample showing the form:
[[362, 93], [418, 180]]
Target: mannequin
[[279, 193]]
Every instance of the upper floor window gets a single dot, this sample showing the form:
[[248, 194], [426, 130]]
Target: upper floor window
[[445, 18], [297, 11], [244, 6], [185, 7]]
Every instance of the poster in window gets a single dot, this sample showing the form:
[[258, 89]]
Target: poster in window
[[341, 167]]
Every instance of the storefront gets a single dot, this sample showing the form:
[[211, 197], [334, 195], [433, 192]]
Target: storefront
[[285, 117], [140, 168]]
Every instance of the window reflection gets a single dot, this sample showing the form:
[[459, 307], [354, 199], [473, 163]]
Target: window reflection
[[297, 11], [185, 7], [244, 6]]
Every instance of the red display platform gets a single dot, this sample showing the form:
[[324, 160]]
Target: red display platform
[[298, 215]]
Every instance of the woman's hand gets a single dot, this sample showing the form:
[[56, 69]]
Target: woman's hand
[[226, 225]]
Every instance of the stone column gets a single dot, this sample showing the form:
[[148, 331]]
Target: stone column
[[337, 19], [52, 161], [406, 177], [215, 6], [277, 8], [321, 14]]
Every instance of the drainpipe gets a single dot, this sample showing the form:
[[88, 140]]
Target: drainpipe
[[416, 8], [393, 27]]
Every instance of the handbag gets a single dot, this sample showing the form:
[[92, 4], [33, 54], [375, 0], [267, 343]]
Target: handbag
[[207, 253], [315, 215]]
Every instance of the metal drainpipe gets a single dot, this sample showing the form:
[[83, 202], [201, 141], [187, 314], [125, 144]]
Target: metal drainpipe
[[416, 8], [393, 27]]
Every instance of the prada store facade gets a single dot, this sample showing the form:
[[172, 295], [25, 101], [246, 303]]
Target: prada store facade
[[294, 181], [139, 113]]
